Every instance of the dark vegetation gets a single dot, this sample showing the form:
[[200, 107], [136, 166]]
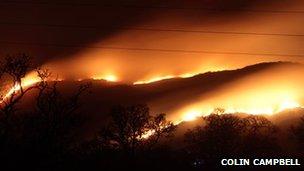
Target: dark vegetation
[[231, 136], [131, 139]]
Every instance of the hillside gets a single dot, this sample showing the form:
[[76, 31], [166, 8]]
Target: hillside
[[163, 96]]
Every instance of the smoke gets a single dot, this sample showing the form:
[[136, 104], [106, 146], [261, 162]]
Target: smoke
[[145, 54]]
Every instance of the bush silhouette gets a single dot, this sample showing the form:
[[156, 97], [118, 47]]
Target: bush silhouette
[[13, 68], [220, 136], [132, 129], [228, 135], [42, 137]]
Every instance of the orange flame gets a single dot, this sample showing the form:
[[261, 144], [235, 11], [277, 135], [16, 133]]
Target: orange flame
[[160, 78], [270, 99], [29, 80], [109, 78], [194, 112]]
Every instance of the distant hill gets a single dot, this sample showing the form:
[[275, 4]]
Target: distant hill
[[162, 96]]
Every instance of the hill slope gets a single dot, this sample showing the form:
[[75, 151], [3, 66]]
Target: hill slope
[[163, 96]]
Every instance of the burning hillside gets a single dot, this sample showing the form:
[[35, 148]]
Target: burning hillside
[[265, 88]]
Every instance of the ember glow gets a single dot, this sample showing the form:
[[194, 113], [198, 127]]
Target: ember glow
[[195, 112], [32, 79], [191, 115], [147, 134], [110, 78], [288, 105], [28, 81], [159, 78], [256, 94]]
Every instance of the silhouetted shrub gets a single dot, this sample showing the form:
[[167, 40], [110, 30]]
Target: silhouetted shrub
[[228, 135], [132, 129]]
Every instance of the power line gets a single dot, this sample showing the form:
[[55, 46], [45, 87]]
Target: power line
[[49, 3], [152, 7], [153, 29], [145, 49]]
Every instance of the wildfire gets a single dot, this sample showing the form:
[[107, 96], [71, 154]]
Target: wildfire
[[191, 115], [194, 112], [254, 95], [159, 78], [109, 78], [147, 134], [29, 80], [288, 105]]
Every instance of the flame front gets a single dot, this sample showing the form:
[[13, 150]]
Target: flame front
[[27, 81], [109, 77], [160, 78], [256, 94], [197, 111], [267, 93]]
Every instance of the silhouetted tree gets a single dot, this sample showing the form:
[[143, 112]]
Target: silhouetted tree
[[45, 135], [13, 68], [260, 136], [51, 129], [229, 135], [132, 128], [220, 136], [160, 128]]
